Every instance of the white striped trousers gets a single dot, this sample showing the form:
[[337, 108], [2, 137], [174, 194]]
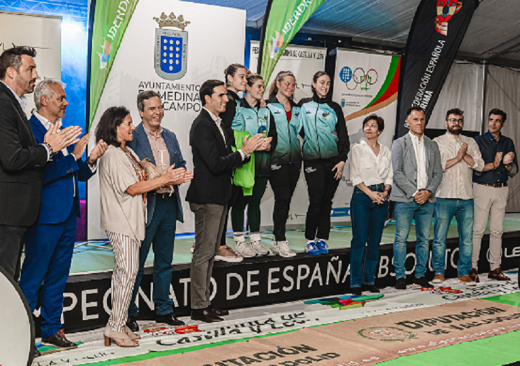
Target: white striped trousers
[[126, 265]]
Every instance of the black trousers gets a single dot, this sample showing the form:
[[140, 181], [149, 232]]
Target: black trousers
[[283, 182], [12, 239], [234, 194], [322, 187]]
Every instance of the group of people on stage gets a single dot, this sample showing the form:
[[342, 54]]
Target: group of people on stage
[[450, 176], [238, 146]]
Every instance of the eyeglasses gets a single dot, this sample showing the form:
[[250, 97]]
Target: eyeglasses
[[455, 120]]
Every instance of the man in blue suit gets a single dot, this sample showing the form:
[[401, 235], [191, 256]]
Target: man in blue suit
[[50, 243], [160, 145]]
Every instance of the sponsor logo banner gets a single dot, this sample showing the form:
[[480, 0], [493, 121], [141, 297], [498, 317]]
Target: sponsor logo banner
[[111, 18], [282, 20], [434, 39]]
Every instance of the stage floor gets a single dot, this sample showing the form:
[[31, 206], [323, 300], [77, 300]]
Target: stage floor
[[248, 330], [93, 259]]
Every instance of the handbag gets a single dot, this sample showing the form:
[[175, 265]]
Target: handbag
[[152, 172]]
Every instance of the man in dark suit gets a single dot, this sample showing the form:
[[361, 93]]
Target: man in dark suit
[[160, 145], [210, 191], [21, 157], [50, 243]]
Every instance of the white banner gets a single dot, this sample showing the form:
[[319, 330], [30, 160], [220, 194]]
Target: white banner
[[364, 84], [213, 39], [304, 62], [18, 29]]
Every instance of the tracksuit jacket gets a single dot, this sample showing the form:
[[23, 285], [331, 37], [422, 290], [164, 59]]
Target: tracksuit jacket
[[322, 126]]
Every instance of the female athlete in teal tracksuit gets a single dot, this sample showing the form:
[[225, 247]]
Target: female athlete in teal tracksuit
[[325, 149], [286, 160], [255, 120]]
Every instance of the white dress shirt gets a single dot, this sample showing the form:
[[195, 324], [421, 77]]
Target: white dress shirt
[[457, 181], [420, 160], [218, 121], [48, 124], [369, 168]]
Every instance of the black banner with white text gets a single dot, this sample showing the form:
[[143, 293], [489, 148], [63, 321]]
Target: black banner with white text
[[258, 281], [434, 39]]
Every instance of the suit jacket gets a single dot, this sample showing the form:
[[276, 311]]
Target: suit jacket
[[21, 161], [58, 181], [405, 168], [141, 146], [213, 162]]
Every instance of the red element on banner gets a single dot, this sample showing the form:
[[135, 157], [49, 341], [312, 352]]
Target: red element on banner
[[155, 329], [445, 10], [392, 88], [187, 329]]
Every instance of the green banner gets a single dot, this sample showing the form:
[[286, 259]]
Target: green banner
[[111, 18], [283, 19]]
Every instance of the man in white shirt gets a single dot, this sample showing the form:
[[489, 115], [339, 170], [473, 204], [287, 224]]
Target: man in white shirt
[[460, 156], [417, 174], [50, 243]]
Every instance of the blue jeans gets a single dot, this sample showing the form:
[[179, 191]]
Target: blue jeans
[[445, 209], [160, 232], [404, 214], [368, 222]]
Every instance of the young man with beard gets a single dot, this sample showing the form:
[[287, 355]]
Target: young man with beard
[[491, 192], [460, 156]]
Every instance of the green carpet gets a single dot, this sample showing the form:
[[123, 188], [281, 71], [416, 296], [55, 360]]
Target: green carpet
[[498, 350], [493, 351]]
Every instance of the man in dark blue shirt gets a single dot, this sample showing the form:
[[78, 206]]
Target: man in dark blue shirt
[[491, 192]]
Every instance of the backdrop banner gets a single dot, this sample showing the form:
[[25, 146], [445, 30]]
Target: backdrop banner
[[434, 39], [364, 84], [111, 18], [282, 20], [170, 47], [303, 62]]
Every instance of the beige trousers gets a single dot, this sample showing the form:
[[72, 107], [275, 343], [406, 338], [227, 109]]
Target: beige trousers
[[126, 265], [489, 202]]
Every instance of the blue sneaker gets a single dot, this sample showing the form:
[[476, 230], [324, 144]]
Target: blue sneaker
[[312, 249], [323, 247]]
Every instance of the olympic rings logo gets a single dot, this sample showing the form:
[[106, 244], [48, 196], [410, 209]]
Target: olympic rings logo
[[358, 77]]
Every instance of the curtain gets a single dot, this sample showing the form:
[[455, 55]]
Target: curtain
[[502, 92]]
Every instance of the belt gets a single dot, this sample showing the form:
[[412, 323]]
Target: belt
[[375, 187], [165, 195], [494, 185]]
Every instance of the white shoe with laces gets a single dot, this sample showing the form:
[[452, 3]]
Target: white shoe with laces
[[282, 249], [258, 248], [241, 248]]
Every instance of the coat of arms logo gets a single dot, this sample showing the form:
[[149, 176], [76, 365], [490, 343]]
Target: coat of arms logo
[[171, 47]]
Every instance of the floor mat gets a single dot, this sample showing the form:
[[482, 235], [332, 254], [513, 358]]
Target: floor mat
[[363, 341], [265, 321]]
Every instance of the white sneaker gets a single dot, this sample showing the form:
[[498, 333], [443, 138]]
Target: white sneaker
[[282, 249], [258, 248], [241, 248]]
